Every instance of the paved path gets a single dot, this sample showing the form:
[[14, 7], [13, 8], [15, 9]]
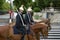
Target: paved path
[[4, 16]]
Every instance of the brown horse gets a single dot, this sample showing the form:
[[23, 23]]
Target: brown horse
[[46, 21], [4, 32], [7, 33], [35, 28], [13, 36], [7, 30], [44, 32], [40, 27]]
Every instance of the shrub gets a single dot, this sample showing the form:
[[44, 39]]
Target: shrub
[[36, 9]]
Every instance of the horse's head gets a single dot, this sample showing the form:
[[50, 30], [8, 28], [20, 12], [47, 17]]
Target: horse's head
[[46, 21], [36, 27]]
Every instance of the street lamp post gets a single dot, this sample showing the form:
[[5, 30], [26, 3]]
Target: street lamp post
[[11, 4], [11, 11], [33, 0]]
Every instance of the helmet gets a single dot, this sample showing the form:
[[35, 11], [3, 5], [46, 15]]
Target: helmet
[[29, 9], [21, 8]]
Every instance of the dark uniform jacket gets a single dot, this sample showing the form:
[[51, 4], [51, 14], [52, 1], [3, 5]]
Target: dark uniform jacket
[[28, 18], [19, 28], [19, 23]]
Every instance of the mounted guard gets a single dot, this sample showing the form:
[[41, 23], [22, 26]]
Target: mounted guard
[[29, 21], [19, 26]]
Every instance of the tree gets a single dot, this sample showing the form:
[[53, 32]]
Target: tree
[[18, 3], [6, 6], [37, 4], [44, 3], [56, 3], [1, 3]]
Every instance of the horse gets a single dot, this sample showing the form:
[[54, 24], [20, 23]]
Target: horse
[[7, 33], [46, 21], [4, 32], [13, 36], [34, 28], [40, 27], [8, 29], [44, 32]]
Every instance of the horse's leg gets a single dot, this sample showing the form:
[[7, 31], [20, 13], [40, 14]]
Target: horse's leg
[[31, 37], [16, 37], [49, 26], [48, 23], [44, 32], [26, 37], [3, 36], [3, 39], [38, 36]]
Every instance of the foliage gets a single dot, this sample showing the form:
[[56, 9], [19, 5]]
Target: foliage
[[1, 3], [36, 9], [6, 6], [36, 17], [56, 3], [38, 3], [18, 3]]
